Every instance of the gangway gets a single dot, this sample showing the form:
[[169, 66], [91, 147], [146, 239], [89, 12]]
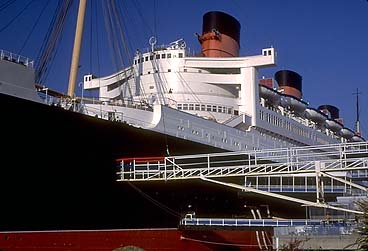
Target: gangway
[[299, 166], [231, 222]]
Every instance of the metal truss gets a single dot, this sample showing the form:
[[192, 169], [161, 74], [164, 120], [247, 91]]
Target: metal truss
[[334, 163]]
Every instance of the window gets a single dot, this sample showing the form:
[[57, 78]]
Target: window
[[146, 58], [209, 107], [191, 107], [168, 70], [180, 55], [196, 107], [151, 57], [203, 107], [114, 86], [214, 108], [185, 106], [163, 56], [151, 87], [158, 56], [169, 55], [180, 106], [139, 60]]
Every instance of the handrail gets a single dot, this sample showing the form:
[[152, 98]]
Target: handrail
[[12, 57], [249, 222], [336, 157]]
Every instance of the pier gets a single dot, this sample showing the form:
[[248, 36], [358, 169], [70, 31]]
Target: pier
[[338, 170]]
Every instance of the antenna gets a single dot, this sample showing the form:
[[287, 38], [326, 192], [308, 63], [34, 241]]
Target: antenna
[[152, 41], [357, 123]]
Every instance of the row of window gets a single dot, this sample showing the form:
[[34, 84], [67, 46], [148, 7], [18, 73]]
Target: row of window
[[271, 119], [169, 70], [208, 108], [209, 136], [287, 181], [157, 56]]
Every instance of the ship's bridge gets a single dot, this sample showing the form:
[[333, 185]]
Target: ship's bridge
[[212, 87]]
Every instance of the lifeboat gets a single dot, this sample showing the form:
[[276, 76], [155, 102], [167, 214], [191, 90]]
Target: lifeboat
[[346, 133], [270, 95], [316, 116], [293, 103], [357, 138], [333, 125]]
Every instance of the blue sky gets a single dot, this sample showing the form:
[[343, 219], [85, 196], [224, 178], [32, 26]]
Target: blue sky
[[324, 41]]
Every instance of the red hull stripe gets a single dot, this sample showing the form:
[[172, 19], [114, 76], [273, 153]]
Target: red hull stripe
[[147, 239]]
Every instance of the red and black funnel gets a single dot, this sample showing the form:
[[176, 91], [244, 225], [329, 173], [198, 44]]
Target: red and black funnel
[[220, 35], [331, 111], [290, 82]]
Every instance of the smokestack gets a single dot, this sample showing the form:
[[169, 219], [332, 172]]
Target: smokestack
[[290, 82], [220, 35]]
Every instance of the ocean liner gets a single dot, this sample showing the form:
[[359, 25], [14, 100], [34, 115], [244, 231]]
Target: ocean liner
[[58, 177]]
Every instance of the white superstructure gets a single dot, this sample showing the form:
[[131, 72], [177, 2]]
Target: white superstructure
[[214, 98]]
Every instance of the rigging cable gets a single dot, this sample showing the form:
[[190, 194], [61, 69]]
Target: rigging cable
[[146, 29], [6, 5], [164, 90], [98, 47], [109, 31], [191, 91], [120, 32], [112, 25], [127, 47], [154, 19], [34, 26], [16, 17], [155, 202], [142, 17], [49, 46], [91, 37]]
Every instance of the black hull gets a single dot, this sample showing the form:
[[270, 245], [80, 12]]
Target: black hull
[[58, 171]]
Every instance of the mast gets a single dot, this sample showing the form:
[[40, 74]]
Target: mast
[[357, 123], [76, 48]]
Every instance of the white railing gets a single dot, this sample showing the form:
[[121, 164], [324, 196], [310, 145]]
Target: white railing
[[330, 158], [9, 56], [228, 222]]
